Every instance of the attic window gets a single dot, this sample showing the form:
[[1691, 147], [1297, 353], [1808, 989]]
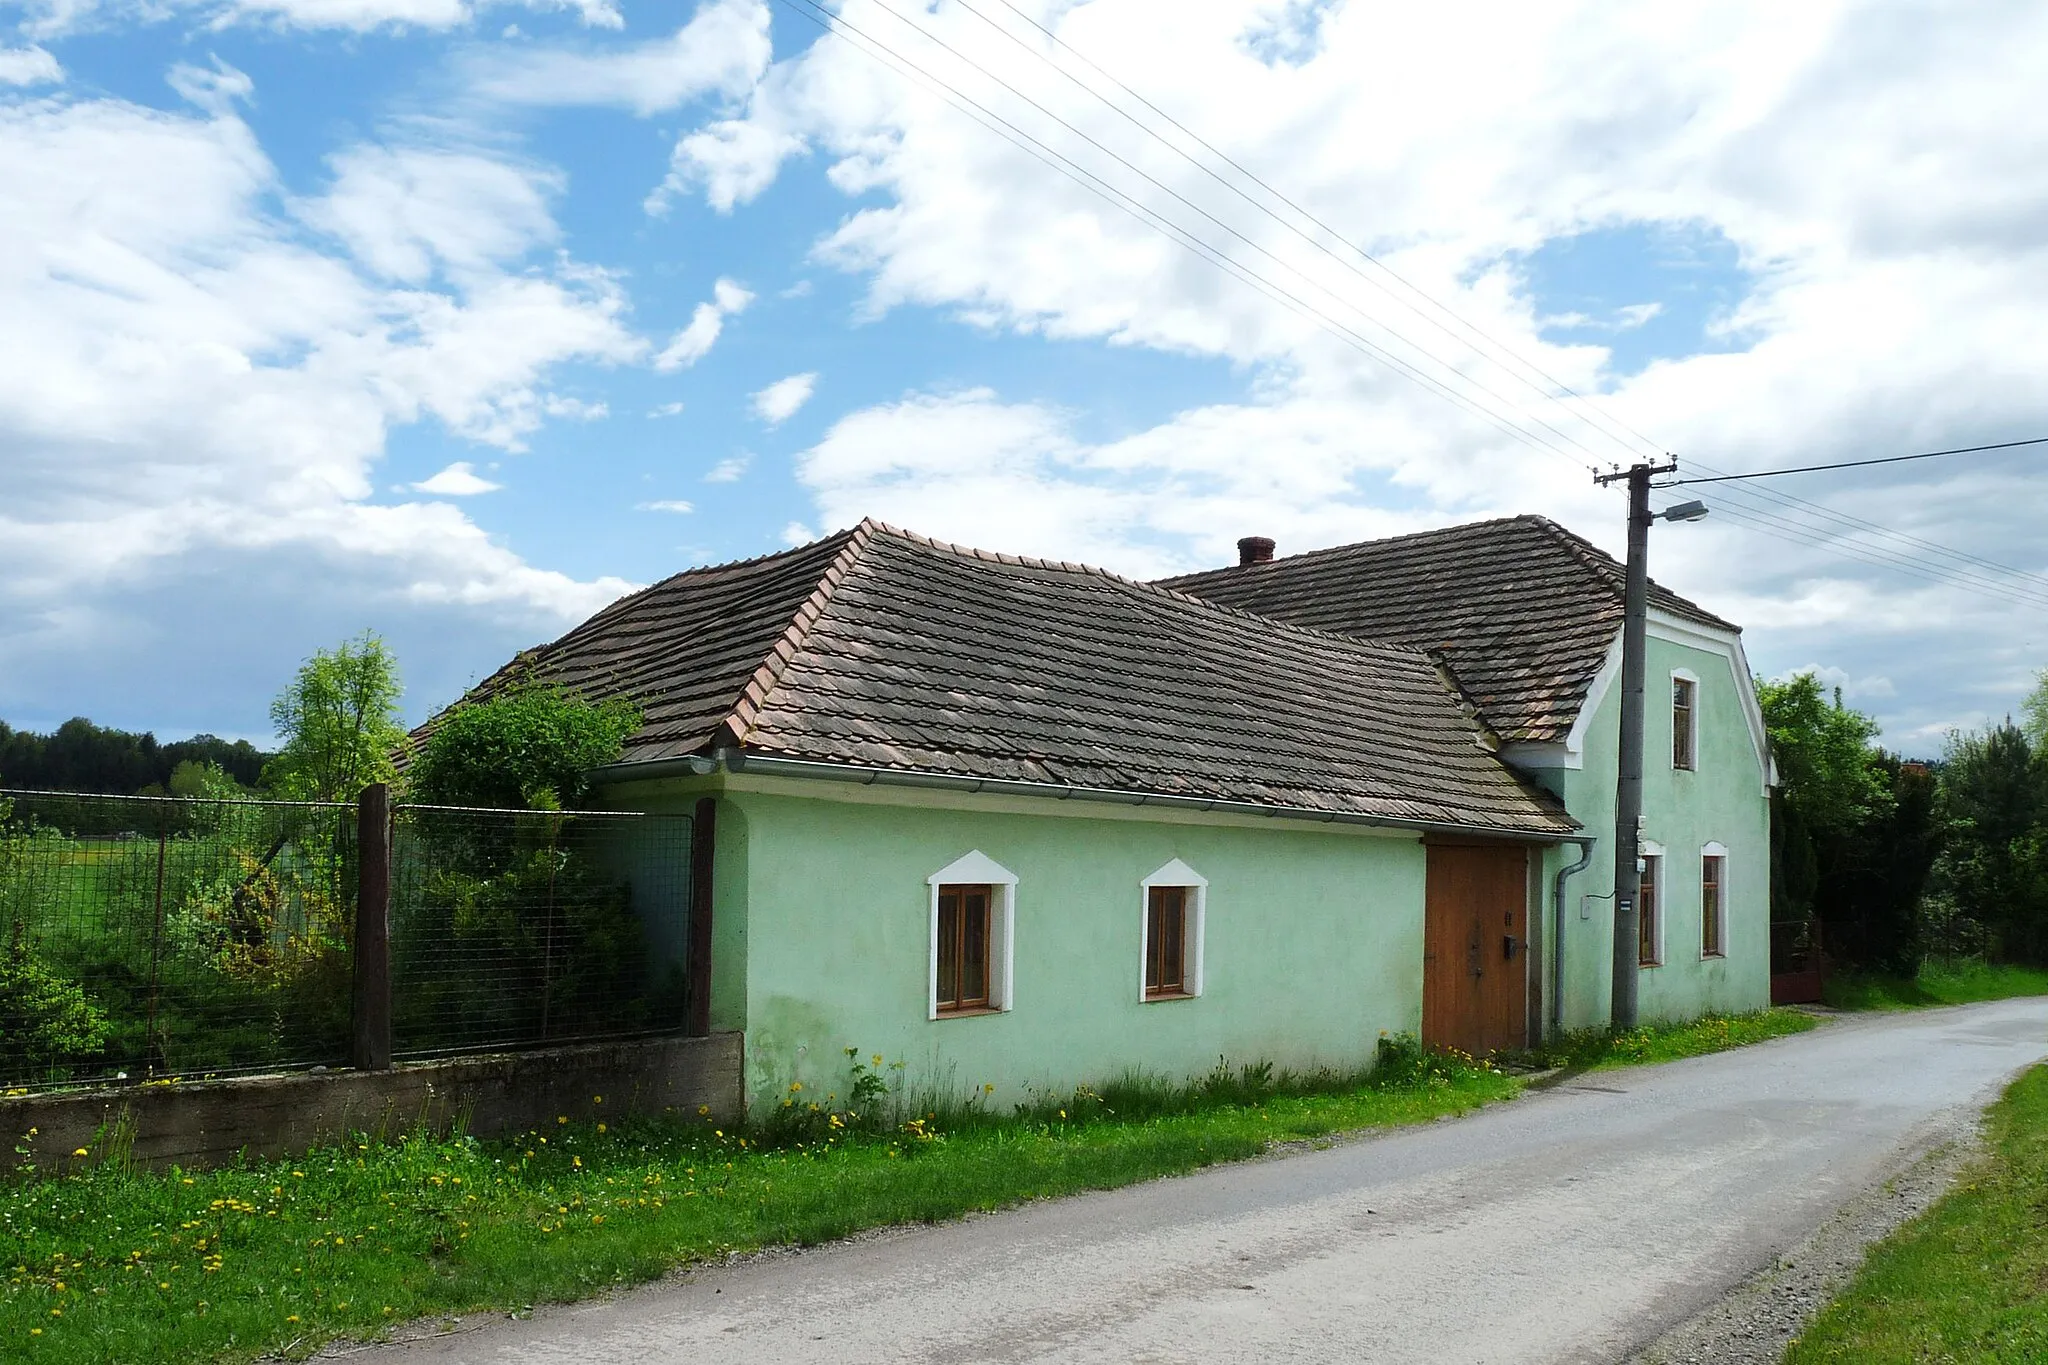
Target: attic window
[[1684, 721]]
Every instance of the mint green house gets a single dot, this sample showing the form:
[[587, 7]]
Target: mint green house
[[1527, 617], [1028, 825]]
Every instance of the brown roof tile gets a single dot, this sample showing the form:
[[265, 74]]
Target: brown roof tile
[[881, 648], [1521, 609]]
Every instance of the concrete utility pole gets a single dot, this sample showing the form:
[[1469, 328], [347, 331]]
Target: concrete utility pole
[[1628, 788]]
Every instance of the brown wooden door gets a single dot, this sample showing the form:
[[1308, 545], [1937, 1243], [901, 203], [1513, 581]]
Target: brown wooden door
[[1475, 971]]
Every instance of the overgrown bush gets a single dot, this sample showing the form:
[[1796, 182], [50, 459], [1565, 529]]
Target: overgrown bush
[[46, 1021], [533, 745]]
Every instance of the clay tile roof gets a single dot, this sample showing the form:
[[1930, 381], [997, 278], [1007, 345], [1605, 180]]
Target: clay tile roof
[[1521, 610], [881, 648]]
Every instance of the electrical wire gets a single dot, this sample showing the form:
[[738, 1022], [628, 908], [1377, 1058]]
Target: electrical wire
[[1861, 464]]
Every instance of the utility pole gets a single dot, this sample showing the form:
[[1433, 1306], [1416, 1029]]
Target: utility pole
[[1628, 789]]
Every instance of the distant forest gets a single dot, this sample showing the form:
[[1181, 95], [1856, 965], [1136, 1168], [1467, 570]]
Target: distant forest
[[82, 757]]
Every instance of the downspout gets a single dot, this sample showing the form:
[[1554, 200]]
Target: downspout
[[1564, 874]]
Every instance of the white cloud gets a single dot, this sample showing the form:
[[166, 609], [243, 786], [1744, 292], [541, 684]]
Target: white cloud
[[796, 533], [1879, 173], [666, 410], [722, 50], [778, 402], [406, 212], [196, 395], [29, 66], [729, 469], [50, 18], [458, 480], [667, 505], [694, 342]]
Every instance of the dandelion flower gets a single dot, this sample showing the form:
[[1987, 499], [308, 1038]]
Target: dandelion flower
[[80, 1152]]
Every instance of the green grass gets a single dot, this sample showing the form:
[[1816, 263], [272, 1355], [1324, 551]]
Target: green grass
[[1939, 983], [1967, 1281], [1598, 1050], [106, 1266]]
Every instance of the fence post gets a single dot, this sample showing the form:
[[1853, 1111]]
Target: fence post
[[370, 1049], [703, 843]]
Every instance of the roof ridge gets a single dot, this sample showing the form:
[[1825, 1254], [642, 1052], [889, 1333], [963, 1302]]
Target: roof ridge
[[1189, 599], [1375, 542], [746, 708]]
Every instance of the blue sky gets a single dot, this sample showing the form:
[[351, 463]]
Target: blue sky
[[396, 314]]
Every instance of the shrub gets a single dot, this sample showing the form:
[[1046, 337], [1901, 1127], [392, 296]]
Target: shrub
[[46, 1021], [532, 746]]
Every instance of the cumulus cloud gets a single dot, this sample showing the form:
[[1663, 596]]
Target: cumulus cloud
[[458, 480], [722, 50], [1875, 173], [29, 66], [778, 402], [694, 342], [198, 391]]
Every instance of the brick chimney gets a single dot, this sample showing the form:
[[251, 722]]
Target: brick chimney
[[1255, 550]]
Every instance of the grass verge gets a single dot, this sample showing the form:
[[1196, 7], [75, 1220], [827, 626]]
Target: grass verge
[[278, 1258], [1599, 1050], [1938, 983], [1967, 1281]]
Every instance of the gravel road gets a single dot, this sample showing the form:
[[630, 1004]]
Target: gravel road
[[1581, 1223]]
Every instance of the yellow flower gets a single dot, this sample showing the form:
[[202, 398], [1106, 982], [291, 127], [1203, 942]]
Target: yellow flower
[[795, 1086], [561, 1118], [600, 1128], [80, 1152], [702, 1110], [293, 1318], [878, 1059]]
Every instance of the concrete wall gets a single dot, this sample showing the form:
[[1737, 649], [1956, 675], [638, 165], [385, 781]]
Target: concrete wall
[[208, 1123], [1722, 800], [1313, 942]]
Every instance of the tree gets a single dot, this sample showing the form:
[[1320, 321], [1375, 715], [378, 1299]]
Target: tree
[[339, 722], [2035, 711], [1994, 798], [533, 745], [1824, 753]]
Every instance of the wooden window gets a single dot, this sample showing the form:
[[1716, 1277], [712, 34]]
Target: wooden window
[[1713, 873], [965, 932], [1683, 739], [1166, 941], [1647, 910]]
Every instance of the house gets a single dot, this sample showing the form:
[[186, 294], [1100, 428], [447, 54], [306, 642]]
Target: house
[[1527, 618], [1027, 824]]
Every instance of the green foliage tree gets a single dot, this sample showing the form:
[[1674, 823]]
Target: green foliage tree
[[2034, 712], [533, 745], [1994, 800], [339, 722], [1854, 830]]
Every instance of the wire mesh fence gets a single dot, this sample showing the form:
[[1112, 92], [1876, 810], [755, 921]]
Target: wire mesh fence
[[146, 937], [521, 928]]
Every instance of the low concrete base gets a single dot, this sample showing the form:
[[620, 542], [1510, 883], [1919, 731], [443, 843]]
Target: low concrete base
[[194, 1124]]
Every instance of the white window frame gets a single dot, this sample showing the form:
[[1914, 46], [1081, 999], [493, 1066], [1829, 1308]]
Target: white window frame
[[1693, 720], [1713, 848], [1660, 869], [976, 868], [1175, 873]]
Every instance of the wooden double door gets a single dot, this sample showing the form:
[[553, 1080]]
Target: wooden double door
[[1475, 948]]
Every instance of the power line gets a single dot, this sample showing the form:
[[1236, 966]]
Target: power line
[[837, 26], [1859, 464]]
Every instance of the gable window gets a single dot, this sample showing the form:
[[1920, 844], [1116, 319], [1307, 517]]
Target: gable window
[[1171, 933], [973, 918], [1684, 721], [1650, 908], [1713, 901]]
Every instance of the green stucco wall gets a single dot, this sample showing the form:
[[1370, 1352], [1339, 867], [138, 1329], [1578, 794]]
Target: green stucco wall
[[1722, 801], [1313, 944]]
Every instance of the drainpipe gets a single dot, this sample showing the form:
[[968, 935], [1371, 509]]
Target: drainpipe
[[1564, 874]]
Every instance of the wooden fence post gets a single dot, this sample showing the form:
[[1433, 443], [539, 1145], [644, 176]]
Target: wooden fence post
[[703, 844], [370, 1049]]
